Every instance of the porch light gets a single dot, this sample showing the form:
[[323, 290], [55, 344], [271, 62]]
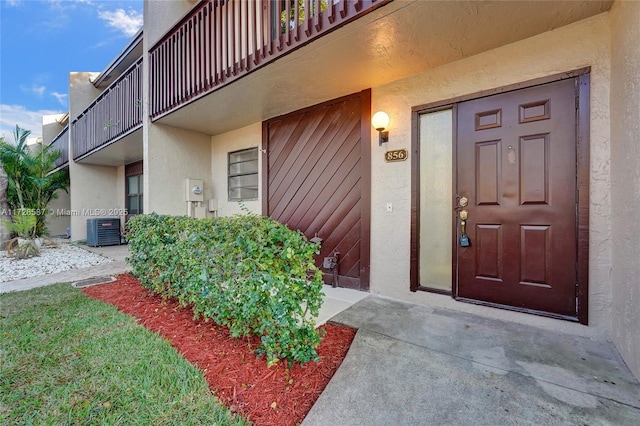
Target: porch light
[[380, 121]]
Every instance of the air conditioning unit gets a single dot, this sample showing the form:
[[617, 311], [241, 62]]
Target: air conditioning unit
[[103, 232]]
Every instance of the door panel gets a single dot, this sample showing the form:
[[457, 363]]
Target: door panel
[[488, 177], [316, 181], [516, 163], [489, 254]]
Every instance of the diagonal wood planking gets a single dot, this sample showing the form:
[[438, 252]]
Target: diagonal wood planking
[[314, 179]]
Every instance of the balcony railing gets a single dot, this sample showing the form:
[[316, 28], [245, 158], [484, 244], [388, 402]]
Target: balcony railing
[[61, 143], [220, 41], [113, 115]]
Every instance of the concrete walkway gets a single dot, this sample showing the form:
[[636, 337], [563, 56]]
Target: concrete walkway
[[118, 266], [416, 365]]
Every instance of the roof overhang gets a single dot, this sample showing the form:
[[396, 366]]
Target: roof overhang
[[396, 41], [131, 53]]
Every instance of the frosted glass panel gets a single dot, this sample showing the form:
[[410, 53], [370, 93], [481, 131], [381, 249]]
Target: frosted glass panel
[[436, 162]]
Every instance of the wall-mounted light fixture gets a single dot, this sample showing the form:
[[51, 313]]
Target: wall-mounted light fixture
[[380, 121]]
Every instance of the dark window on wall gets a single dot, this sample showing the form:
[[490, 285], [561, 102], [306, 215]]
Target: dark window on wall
[[243, 175], [134, 194], [133, 188]]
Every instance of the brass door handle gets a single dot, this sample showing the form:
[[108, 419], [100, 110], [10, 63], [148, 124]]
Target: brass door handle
[[464, 239]]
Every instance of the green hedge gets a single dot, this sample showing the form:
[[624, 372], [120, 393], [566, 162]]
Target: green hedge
[[247, 272]]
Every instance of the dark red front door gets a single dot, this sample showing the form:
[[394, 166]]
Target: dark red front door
[[516, 164], [317, 170]]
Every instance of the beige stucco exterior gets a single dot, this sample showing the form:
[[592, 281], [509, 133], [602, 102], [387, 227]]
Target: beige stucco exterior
[[578, 45], [483, 59], [81, 93], [94, 189], [57, 220], [221, 145], [96, 197], [51, 127], [171, 156], [625, 180], [164, 15], [582, 44]]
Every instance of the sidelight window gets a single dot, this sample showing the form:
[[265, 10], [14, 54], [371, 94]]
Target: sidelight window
[[436, 187]]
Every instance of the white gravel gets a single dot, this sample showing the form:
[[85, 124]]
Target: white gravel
[[51, 260]]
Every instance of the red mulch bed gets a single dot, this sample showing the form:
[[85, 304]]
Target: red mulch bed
[[266, 396]]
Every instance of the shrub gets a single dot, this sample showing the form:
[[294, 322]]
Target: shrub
[[246, 272]]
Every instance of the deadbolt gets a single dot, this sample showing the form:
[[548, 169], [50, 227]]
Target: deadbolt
[[463, 202]]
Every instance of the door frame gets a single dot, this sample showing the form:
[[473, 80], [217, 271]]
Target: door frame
[[365, 177], [582, 77]]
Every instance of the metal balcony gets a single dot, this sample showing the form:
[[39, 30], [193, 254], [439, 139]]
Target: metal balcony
[[61, 143], [116, 113], [220, 41]]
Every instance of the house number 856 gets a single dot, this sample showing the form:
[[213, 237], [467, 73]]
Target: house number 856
[[396, 155]]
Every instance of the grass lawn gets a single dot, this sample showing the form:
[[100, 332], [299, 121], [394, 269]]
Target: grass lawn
[[67, 359]]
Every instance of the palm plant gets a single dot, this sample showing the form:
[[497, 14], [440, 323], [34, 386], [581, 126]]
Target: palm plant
[[32, 182], [15, 158], [23, 224]]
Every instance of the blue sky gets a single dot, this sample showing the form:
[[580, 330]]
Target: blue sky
[[41, 41]]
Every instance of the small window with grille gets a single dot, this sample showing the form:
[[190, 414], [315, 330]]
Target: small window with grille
[[243, 175]]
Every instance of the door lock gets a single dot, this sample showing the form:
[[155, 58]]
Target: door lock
[[463, 202]]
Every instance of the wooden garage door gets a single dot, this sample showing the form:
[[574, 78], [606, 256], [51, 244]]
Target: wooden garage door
[[317, 180]]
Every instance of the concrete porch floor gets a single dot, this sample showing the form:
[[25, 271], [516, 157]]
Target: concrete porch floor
[[417, 365], [337, 300]]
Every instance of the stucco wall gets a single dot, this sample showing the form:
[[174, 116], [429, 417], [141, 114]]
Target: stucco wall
[[81, 93], [164, 14], [93, 190], [221, 145], [58, 220], [121, 186], [51, 127], [182, 154], [625, 179], [93, 194], [171, 156], [578, 45]]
